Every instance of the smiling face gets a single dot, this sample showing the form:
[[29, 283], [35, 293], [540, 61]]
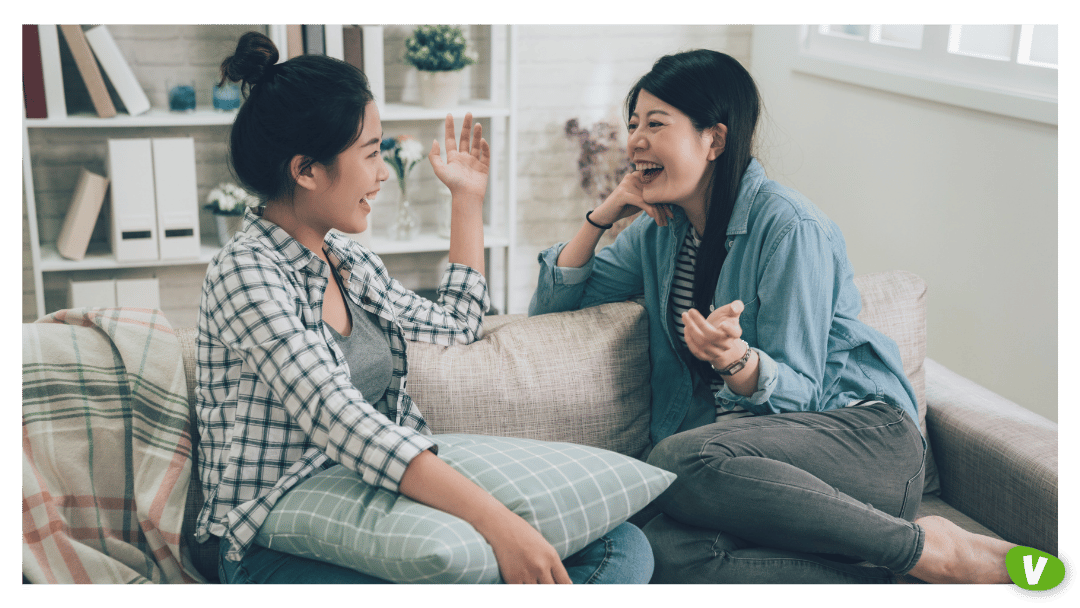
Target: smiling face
[[346, 186], [674, 157]]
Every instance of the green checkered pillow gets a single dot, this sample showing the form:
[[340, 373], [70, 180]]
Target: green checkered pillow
[[572, 494]]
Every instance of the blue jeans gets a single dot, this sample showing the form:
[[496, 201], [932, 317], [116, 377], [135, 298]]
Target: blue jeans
[[806, 497], [621, 556]]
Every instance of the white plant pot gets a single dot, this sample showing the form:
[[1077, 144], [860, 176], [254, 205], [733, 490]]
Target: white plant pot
[[439, 89]]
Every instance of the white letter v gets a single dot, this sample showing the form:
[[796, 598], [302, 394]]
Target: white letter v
[[1033, 574]]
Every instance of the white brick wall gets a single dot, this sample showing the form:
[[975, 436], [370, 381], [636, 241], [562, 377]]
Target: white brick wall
[[564, 72]]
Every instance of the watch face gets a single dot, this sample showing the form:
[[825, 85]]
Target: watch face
[[736, 367]]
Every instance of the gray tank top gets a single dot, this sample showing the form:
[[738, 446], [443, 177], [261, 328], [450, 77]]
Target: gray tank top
[[367, 350]]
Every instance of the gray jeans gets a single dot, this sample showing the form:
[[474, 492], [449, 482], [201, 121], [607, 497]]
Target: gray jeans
[[807, 497]]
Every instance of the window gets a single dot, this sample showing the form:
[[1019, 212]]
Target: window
[[1005, 69]]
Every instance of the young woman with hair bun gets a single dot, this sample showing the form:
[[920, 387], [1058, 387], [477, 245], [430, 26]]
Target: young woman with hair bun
[[300, 347]]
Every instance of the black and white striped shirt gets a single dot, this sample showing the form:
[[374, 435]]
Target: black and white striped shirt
[[682, 300]]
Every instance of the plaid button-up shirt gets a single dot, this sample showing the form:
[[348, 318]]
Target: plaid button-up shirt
[[275, 402]]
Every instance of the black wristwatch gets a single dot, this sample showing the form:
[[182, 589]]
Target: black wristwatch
[[737, 366]]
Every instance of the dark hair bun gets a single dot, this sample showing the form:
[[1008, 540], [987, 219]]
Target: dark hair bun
[[254, 55]]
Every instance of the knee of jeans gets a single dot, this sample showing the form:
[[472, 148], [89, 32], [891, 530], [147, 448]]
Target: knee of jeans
[[682, 453], [634, 545], [668, 453]]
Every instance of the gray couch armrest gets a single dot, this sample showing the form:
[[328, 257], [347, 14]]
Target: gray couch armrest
[[998, 462]]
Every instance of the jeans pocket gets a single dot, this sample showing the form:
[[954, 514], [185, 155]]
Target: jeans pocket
[[913, 492]]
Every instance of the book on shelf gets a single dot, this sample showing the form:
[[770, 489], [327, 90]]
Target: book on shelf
[[352, 46], [55, 101], [373, 61], [133, 222], [33, 78], [332, 39], [294, 41], [88, 69], [117, 69], [177, 198], [81, 215], [313, 40], [279, 35]]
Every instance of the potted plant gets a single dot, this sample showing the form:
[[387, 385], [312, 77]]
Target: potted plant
[[228, 202], [439, 53]]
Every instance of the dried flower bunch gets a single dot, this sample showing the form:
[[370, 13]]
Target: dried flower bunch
[[437, 48], [603, 161], [402, 153], [230, 199]]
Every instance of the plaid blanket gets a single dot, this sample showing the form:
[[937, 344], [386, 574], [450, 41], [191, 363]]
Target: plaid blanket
[[106, 449]]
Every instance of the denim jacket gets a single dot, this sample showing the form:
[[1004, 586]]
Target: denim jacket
[[788, 263]]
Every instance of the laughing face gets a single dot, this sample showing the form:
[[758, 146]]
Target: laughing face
[[356, 177], [674, 158]]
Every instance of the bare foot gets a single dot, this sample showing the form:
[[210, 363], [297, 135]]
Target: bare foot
[[954, 555]]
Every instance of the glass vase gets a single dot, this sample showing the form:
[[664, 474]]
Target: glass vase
[[227, 226], [405, 226]]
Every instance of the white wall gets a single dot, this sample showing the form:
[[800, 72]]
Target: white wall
[[965, 199], [583, 72]]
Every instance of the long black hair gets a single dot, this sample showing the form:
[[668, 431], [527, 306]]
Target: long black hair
[[710, 88], [310, 105]]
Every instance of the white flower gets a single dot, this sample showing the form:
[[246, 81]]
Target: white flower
[[227, 198], [411, 150]]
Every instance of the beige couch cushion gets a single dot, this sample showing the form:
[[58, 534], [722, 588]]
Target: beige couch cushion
[[579, 376], [894, 303]]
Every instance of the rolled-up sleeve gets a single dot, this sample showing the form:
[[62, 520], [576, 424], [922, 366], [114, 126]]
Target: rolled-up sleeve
[[456, 318], [558, 288]]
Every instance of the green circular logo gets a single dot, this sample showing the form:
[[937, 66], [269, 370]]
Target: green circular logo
[[1034, 570]]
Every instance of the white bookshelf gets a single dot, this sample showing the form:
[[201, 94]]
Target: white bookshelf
[[500, 208]]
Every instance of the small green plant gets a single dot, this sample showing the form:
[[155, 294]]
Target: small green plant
[[437, 48]]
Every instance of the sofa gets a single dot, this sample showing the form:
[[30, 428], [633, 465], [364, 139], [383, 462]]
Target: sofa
[[580, 377]]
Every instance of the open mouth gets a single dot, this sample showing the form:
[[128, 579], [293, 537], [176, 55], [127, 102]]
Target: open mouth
[[649, 171]]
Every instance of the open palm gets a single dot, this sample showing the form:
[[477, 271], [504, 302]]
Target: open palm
[[465, 170]]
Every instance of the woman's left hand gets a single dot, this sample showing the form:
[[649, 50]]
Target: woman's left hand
[[716, 340], [465, 170]]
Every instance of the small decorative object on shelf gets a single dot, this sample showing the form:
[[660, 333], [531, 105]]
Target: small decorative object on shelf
[[603, 163], [439, 54], [402, 153], [226, 97], [228, 202], [181, 94]]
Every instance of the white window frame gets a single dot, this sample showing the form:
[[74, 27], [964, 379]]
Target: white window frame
[[1001, 87]]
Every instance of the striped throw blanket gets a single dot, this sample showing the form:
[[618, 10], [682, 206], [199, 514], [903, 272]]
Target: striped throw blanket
[[106, 449]]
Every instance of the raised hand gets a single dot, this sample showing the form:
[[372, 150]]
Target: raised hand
[[465, 170], [716, 340]]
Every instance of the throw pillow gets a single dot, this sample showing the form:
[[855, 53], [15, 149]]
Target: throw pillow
[[894, 303], [572, 494], [579, 376]]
